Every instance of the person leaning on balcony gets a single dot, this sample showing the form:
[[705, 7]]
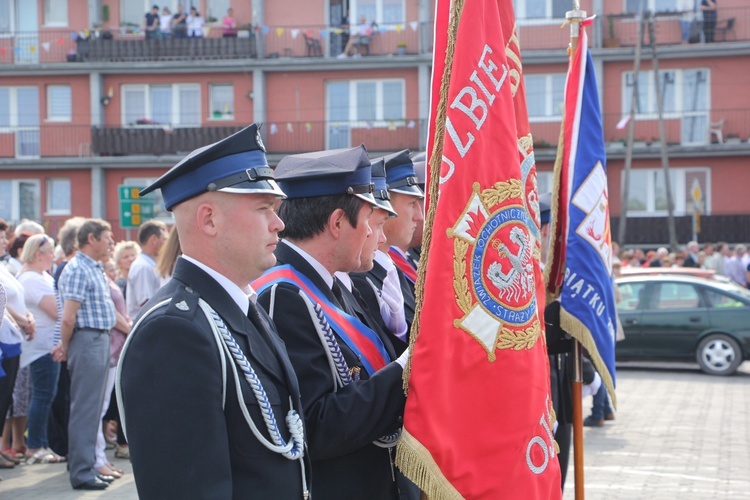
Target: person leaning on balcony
[[195, 24], [165, 23], [709, 8], [151, 23], [229, 25], [179, 23]]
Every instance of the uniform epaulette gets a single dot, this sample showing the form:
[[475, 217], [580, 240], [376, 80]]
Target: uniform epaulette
[[184, 303]]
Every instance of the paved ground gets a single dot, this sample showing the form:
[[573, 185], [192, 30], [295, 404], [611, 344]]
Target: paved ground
[[679, 434]]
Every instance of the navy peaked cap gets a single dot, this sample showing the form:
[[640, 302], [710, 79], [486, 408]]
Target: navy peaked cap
[[327, 173], [545, 207], [236, 164], [400, 175], [420, 167], [382, 198]]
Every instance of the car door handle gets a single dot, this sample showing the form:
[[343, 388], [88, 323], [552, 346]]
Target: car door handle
[[695, 319], [631, 321]]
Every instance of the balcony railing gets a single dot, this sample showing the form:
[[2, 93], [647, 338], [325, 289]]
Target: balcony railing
[[260, 42], [53, 141], [733, 24], [696, 128], [303, 42]]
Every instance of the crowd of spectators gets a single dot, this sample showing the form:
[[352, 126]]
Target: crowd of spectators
[[67, 302], [726, 260]]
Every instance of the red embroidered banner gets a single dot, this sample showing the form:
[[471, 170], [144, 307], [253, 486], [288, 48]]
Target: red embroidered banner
[[477, 421]]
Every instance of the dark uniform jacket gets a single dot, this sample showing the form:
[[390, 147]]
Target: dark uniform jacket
[[341, 423], [182, 444], [364, 282]]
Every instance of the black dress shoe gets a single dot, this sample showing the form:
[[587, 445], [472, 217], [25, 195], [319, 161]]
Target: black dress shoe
[[92, 484], [107, 479]]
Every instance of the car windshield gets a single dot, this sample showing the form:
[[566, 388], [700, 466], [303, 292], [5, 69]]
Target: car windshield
[[733, 287]]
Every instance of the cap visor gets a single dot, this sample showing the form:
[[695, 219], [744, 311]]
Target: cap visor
[[264, 186], [410, 190], [368, 197], [386, 205]]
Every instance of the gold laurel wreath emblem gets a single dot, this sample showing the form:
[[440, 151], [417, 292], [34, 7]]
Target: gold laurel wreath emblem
[[523, 338]]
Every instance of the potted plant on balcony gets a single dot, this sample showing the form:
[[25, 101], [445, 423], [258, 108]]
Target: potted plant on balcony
[[401, 48], [611, 41]]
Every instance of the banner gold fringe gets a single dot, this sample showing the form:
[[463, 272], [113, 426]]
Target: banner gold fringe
[[436, 160], [552, 295], [582, 334], [423, 470]]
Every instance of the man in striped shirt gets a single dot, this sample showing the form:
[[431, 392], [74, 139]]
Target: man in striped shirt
[[88, 316]]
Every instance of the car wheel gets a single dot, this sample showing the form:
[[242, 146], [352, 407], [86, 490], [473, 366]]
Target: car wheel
[[719, 354]]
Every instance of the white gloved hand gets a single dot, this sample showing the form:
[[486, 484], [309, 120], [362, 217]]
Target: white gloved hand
[[593, 387], [401, 360], [392, 305]]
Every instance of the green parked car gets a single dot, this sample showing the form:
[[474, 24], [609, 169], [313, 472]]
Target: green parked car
[[670, 317]]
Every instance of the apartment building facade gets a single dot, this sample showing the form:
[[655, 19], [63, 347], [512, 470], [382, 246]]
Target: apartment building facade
[[88, 103]]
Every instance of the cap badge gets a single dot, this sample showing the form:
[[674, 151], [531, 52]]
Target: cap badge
[[260, 141]]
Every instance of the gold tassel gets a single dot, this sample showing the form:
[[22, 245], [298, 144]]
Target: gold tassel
[[581, 333]]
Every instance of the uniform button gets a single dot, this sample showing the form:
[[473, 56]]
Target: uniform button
[[400, 419], [188, 289]]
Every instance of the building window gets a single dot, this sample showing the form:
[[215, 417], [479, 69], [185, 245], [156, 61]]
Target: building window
[[540, 9], [59, 103], [176, 105], [6, 16], [55, 12], [544, 181], [379, 11], [222, 102], [58, 196], [685, 96], [545, 95], [366, 103], [632, 6], [216, 10], [19, 115], [19, 199], [648, 195]]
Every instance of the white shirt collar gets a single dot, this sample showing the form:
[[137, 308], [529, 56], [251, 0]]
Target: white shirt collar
[[322, 271], [240, 296], [383, 259], [344, 279], [403, 254]]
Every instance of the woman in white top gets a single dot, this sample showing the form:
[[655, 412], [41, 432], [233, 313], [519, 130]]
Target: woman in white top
[[165, 23], [39, 294], [20, 322], [10, 343]]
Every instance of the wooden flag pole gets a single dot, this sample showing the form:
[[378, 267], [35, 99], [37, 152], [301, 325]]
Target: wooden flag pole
[[574, 18]]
